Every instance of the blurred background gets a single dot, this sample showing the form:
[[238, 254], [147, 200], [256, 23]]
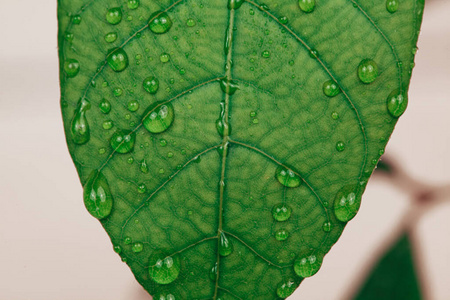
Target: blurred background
[[52, 249]]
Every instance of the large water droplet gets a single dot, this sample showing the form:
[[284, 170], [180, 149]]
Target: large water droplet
[[163, 269], [281, 235], [71, 67], [122, 141], [235, 4], [97, 195], [79, 128], [307, 266], [281, 212], [286, 288], [307, 5], [151, 84], [367, 71], [397, 103], [118, 59], [159, 22], [330, 88], [159, 117], [225, 245], [114, 15], [392, 6], [346, 203], [287, 177]]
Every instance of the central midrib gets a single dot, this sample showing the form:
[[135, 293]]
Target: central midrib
[[226, 132]]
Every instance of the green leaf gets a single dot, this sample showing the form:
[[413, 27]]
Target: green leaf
[[394, 276], [224, 145]]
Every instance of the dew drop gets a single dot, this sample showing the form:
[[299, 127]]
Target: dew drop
[[159, 22], [79, 128], [190, 22], [118, 59], [133, 105], [163, 269], [287, 177], [281, 235], [281, 212], [164, 296], [396, 103], [107, 124], [283, 20], [266, 54], [392, 6], [137, 247], [118, 249], [122, 141], [235, 4], [346, 203], [143, 166], [213, 272], [286, 288], [330, 88], [151, 84], [307, 266], [111, 37], [228, 86], [340, 146], [335, 115], [127, 240], [68, 36], [76, 19], [225, 245], [159, 117], [133, 4], [142, 188], [97, 195], [313, 53], [71, 67], [367, 71], [165, 57], [326, 226], [307, 6], [114, 15]]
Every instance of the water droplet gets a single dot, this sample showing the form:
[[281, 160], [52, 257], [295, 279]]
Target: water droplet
[[283, 20], [330, 88], [235, 4], [326, 226], [107, 124], [122, 141], [133, 4], [163, 269], [281, 235], [228, 86], [346, 203], [71, 67], [190, 22], [313, 53], [137, 247], [133, 105], [164, 296], [68, 36], [79, 129], [225, 245], [142, 188], [97, 195], [340, 146], [213, 272], [151, 84], [159, 117], [143, 166], [118, 249], [251, 12], [286, 288], [76, 19], [392, 6], [281, 212], [165, 57], [396, 103], [160, 22], [127, 240], [266, 54], [307, 266], [287, 177], [118, 60], [367, 71], [162, 142], [307, 6], [114, 15], [118, 92], [111, 37], [334, 115]]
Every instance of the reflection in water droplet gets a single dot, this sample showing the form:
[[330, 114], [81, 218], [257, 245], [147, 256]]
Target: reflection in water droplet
[[346, 203], [159, 117], [392, 6], [281, 235], [287, 177], [122, 141], [396, 103], [151, 84], [281, 212], [367, 71], [97, 195], [71, 67], [307, 5], [330, 88], [160, 22], [118, 59], [163, 269], [114, 15], [307, 266], [286, 288], [79, 128], [225, 245]]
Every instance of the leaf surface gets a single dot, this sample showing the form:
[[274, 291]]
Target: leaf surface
[[224, 145]]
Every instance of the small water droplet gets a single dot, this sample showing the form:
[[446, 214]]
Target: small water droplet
[[165, 57], [392, 6], [283, 20], [340, 146], [251, 12], [76, 19], [127, 240], [137, 247], [307, 266], [151, 84], [68, 36], [97, 195], [235, 4], [287, 177], [286, 288], [164, 296], [330, 88], [281, 212], [122, 141], [367, 71], [190, 22], [313, 53], [162, 142], [213, 272], [111, 37], [133, 4], [225, 245], [114, 15], [160, 22], [133, 105], [346, 203], [334, 115], [118, 92], [118, 60], [159, 117], [266, 54], [142, 188], [396, 103], [79, 128], [281, 235], [107, 124], [143, 166], [163, 269], [118, 249], [71, 67], [307, 6], [228, 86], [326, 226]]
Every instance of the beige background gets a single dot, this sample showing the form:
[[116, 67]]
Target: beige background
[[51, 249]]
